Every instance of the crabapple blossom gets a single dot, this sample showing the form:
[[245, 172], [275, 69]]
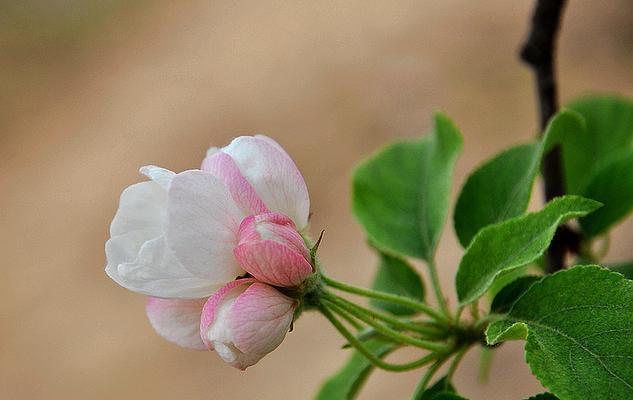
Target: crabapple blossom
[[179, 238]]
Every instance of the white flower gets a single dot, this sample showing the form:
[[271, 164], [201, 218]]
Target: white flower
[[175, 236]]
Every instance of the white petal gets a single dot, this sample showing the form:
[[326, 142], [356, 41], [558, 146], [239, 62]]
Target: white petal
[[272, 141], [159, 175], [124, 248], [212, 150], [142, 206], [274, 176], [157, 272], [202, 226], [177, 320]]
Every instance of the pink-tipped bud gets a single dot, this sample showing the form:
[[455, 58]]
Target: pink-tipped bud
[[271, 250], [245, 320]]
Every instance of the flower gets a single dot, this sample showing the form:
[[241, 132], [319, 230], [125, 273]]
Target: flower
[[179, 238], [245, 320]]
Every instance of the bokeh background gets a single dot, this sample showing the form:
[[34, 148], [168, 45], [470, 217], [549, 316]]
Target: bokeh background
[[91, 90]]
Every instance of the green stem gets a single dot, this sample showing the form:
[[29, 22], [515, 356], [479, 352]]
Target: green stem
[[485, 362], [428, 375], [384, 330], [453, 367], [458, 314], [437, 288], [350, 319], [474, 310], [416, 305], [367, 353], [431, 330]]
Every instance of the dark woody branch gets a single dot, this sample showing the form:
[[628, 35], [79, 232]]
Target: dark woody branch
[[539, 52]]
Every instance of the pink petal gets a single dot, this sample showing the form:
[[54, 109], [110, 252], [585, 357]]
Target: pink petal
[[274, 176], [177, 320], [260, 319], [245, 320], [272, 226], [273, 262], [211, 307], [202, 225], [222, 166]]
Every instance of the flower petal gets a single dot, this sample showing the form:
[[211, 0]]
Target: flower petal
[[222, 166], [202, 226], [211, 151], [212, 307], [272, 226], [159, 175], [157, 272], [177, 320], [274, 176], [124, 248], [245, 320], [273, 262], [260, 318], [142, 206]]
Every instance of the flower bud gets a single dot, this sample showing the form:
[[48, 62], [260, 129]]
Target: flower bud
[[271, 250], [245, 320]]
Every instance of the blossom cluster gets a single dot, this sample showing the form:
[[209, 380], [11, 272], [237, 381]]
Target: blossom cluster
[[214, 248]]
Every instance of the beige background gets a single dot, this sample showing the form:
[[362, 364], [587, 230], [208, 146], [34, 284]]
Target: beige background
[[93, 90]]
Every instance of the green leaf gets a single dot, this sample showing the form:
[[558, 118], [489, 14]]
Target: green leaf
[[500, 188], [544, 396], [396, 276], [448, 396], [609, 121], [442, 386], [507, 296], [624, 268], [612, 185], [497, 190], [506, 331], [508, 277], [508, 245], [400, 195], [579, 323], [348, 381]]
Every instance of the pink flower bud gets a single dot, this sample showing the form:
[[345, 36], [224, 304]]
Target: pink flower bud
[[271, 249], [245, 320]]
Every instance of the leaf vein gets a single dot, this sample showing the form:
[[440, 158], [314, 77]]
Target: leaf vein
[[586, 349], [579, 307], [607, 331]]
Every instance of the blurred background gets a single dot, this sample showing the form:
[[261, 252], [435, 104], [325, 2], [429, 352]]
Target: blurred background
[[91, 90]]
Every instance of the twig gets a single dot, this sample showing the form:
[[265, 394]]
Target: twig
[[539, 53]]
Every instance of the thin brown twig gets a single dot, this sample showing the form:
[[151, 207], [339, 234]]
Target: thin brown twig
[[539, 52]]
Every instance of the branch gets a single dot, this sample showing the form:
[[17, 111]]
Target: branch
[[539, 53]]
